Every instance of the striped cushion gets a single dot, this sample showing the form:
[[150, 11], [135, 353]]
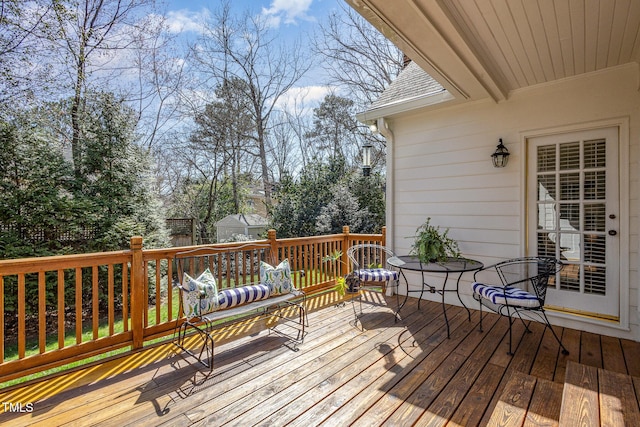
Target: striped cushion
[[377, 275], [232, 297], [506, 295]]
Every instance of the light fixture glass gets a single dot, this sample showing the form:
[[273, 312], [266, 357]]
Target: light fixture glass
[[501, 156], [373, 127], [366, 159]]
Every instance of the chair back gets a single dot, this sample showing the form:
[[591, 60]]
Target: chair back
[[369, 256], [529, 273]]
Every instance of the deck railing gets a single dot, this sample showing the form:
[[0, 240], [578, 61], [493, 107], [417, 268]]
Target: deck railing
[[79, 306]]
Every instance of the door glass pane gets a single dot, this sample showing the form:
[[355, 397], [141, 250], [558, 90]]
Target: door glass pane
[[570, 216], [546, 159], [547, 244], [570, 186], [594, 280], [594, 217], [547, 187], [570, 278], [594, 246], [546, 216], [595, 154], [570, 156], [594, 185], [570, 247]]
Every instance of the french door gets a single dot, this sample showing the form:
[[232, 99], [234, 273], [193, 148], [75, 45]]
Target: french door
[[573, 215]]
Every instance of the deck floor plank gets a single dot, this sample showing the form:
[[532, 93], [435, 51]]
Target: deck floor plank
[[544, 409], [618, 403], [612, 355], [580, 406], [511, 408], [522, 361], [366, 374], [631, 349]]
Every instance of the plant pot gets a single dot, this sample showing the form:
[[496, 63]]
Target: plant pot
[[353, 283]]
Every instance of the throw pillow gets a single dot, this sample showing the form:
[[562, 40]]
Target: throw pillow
[[201, 294], [277, 278]]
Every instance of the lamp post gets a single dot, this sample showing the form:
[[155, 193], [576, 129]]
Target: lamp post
[[366, 159]]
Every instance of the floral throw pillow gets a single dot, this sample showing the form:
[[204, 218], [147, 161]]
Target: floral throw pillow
[[201, 296], [277, 278]]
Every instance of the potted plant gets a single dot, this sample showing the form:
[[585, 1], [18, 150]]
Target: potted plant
[[432, 245], [348, 283]]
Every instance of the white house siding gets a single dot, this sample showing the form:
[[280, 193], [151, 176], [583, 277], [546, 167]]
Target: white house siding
[[441, 168]]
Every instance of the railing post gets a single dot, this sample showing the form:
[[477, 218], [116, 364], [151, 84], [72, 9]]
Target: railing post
[[137, 292], [384, 235], [272, 237], [345, 247]]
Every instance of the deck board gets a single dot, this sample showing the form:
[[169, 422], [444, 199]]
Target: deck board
[[544, 409], [377, 372]]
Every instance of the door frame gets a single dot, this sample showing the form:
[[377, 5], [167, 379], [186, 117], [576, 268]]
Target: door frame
[[622, 124]]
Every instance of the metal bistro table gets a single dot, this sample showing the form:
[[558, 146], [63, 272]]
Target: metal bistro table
[[451, 265]]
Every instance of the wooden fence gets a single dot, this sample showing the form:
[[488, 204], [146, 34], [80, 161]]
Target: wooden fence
[[72, 307]]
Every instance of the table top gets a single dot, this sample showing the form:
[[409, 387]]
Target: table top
[[451, 265]]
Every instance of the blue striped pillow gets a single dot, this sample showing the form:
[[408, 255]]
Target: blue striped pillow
[[377, 275], [515, 297], [233, 297]]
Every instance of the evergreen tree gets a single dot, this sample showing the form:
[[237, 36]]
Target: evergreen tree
[[118, 180]]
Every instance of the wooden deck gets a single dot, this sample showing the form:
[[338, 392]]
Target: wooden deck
[[379, 373]]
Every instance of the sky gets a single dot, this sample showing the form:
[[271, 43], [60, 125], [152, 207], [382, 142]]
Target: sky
[[292, 18], [289, 16]]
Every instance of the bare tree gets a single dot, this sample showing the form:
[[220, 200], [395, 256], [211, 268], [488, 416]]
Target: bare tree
[[360, 61], [357, 57], [87, 29], [160, 79], [245, 48], [25, 29]]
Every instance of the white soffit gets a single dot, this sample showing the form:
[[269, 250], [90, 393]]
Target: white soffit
[[489, 48]]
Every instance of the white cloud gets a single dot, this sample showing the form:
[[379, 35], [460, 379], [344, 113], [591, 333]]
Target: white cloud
[[180, 21], [288, 11], [303, 99]]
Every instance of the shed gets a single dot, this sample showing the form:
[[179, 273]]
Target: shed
[[250, 225]]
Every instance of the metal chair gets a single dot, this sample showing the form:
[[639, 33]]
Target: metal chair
[[369, 263], [522, 290]]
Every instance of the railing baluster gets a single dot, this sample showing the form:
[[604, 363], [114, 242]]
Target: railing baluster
[[42, 313], [125, 299], [112, 311], [21, 317], [95, 302], [169, 290], [78, 305], [2, 318], [60, 309]]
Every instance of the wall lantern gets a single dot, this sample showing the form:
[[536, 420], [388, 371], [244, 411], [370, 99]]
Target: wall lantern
[[366, 159], [501, 156], [373, 127]]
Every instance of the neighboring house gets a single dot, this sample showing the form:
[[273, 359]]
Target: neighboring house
[[559, 82], [251, 225]]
